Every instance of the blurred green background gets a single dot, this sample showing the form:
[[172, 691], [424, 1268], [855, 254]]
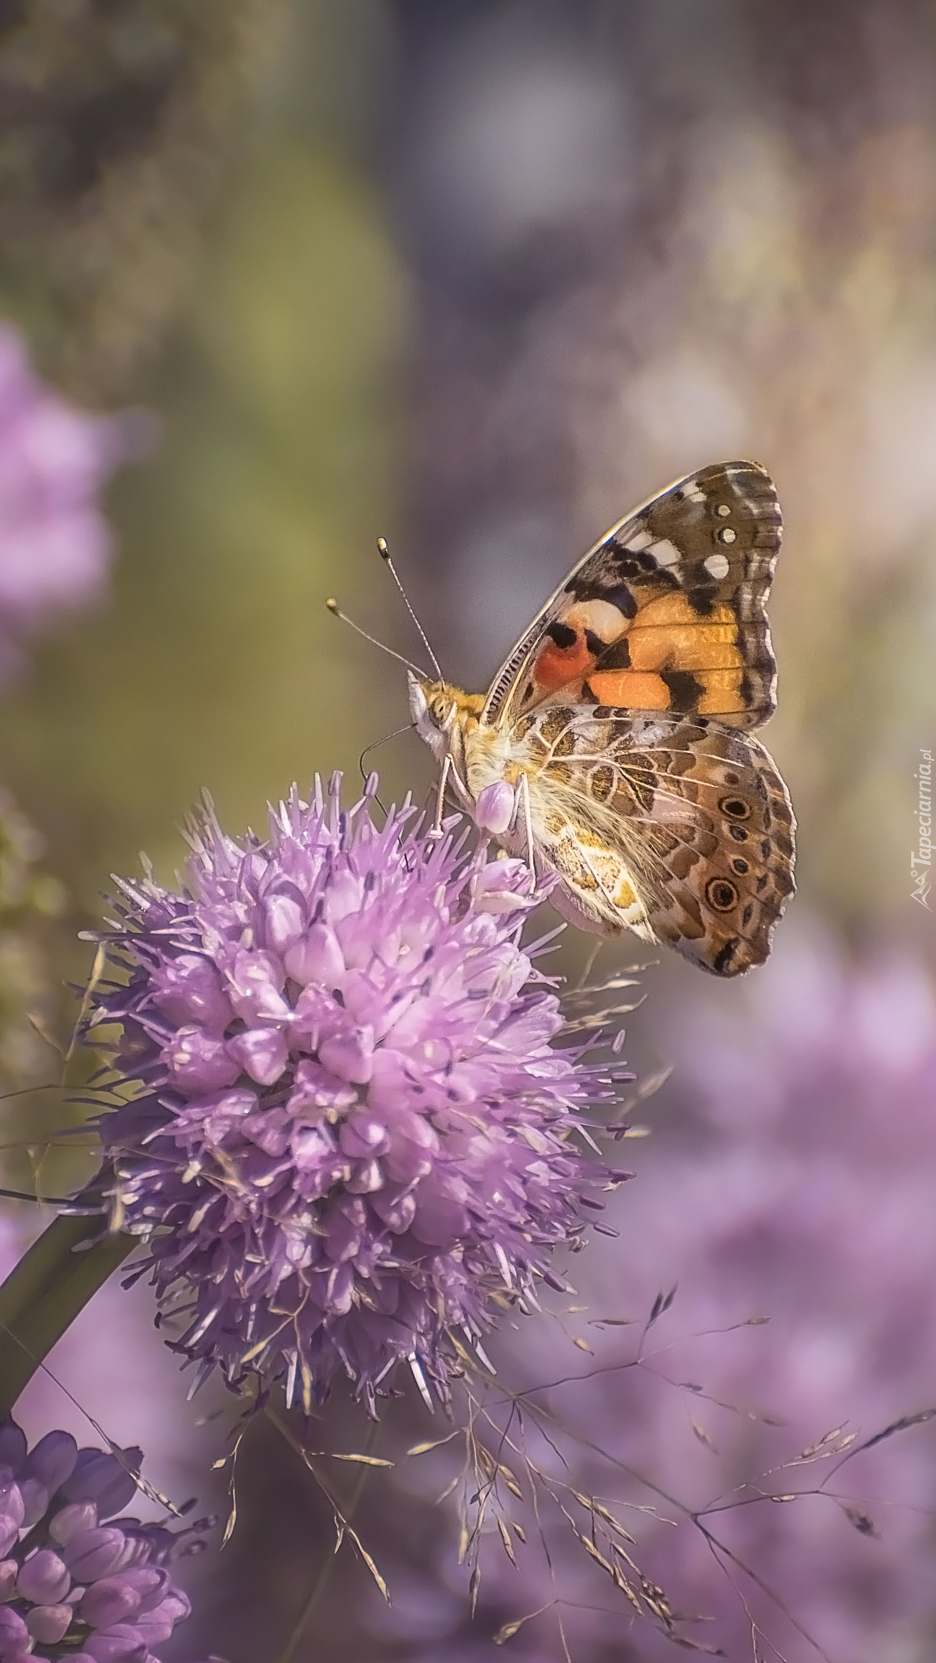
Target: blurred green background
[[273, 364], [477, 276]]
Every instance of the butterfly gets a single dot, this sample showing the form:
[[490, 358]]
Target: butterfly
[[614, 745]]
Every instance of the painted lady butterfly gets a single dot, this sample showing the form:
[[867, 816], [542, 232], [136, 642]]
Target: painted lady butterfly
[[612, 744]]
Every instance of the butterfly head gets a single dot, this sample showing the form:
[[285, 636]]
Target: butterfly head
[[441, 714]]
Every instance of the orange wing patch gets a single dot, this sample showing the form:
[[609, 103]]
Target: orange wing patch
[[668, 657], [668, 633], [574, 642], [630, 690], [700, 655], [557, 664]]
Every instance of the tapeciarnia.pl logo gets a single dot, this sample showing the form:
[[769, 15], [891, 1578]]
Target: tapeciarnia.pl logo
[[921, 862]]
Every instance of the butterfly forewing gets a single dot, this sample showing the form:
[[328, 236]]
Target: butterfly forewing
[[667, 612]]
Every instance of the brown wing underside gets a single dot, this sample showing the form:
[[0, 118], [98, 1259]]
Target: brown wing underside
[[695, 810], [667, 612]]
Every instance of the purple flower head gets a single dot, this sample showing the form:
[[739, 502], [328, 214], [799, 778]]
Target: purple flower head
[[351, 1129], [55, 545], [71, 1585]]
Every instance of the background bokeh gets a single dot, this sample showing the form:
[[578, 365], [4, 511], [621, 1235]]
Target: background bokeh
[[477, 276]]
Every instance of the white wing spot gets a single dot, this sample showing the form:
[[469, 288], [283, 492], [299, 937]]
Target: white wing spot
[[717, 565], [726, 535], [723, 510], [696, 495], [666, 553], [640, 541]]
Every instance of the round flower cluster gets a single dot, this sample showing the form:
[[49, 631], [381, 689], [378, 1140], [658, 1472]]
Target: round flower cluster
[[351, 1133], [76, 1582], [55, 545]]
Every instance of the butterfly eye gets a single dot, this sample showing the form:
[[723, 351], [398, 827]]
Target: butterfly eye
[[439, 709]]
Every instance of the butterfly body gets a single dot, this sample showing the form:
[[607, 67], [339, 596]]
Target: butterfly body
[[612, 744]]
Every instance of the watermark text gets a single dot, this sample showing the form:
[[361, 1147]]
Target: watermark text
[[921, 862]]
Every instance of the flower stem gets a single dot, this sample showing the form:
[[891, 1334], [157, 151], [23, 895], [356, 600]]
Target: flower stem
[[325, 1569], [45, 1291]]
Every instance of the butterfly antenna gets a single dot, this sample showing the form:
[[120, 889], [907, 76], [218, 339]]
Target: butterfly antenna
[[336, 612], [384, 552]]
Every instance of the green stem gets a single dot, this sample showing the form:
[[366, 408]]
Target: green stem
[[315, 1592], [45, 1291], [325, 1569]]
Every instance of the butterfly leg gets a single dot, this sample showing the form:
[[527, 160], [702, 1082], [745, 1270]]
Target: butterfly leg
[[524, 793], [435, 830]]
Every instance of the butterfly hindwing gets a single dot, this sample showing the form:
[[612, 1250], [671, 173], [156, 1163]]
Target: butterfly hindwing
[[679, 828], [667, 612]]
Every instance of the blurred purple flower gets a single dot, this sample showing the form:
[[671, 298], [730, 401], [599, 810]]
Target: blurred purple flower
[[55, 545], [111, 1367], [352, 1130], [76, 1581], [804, 1193]]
